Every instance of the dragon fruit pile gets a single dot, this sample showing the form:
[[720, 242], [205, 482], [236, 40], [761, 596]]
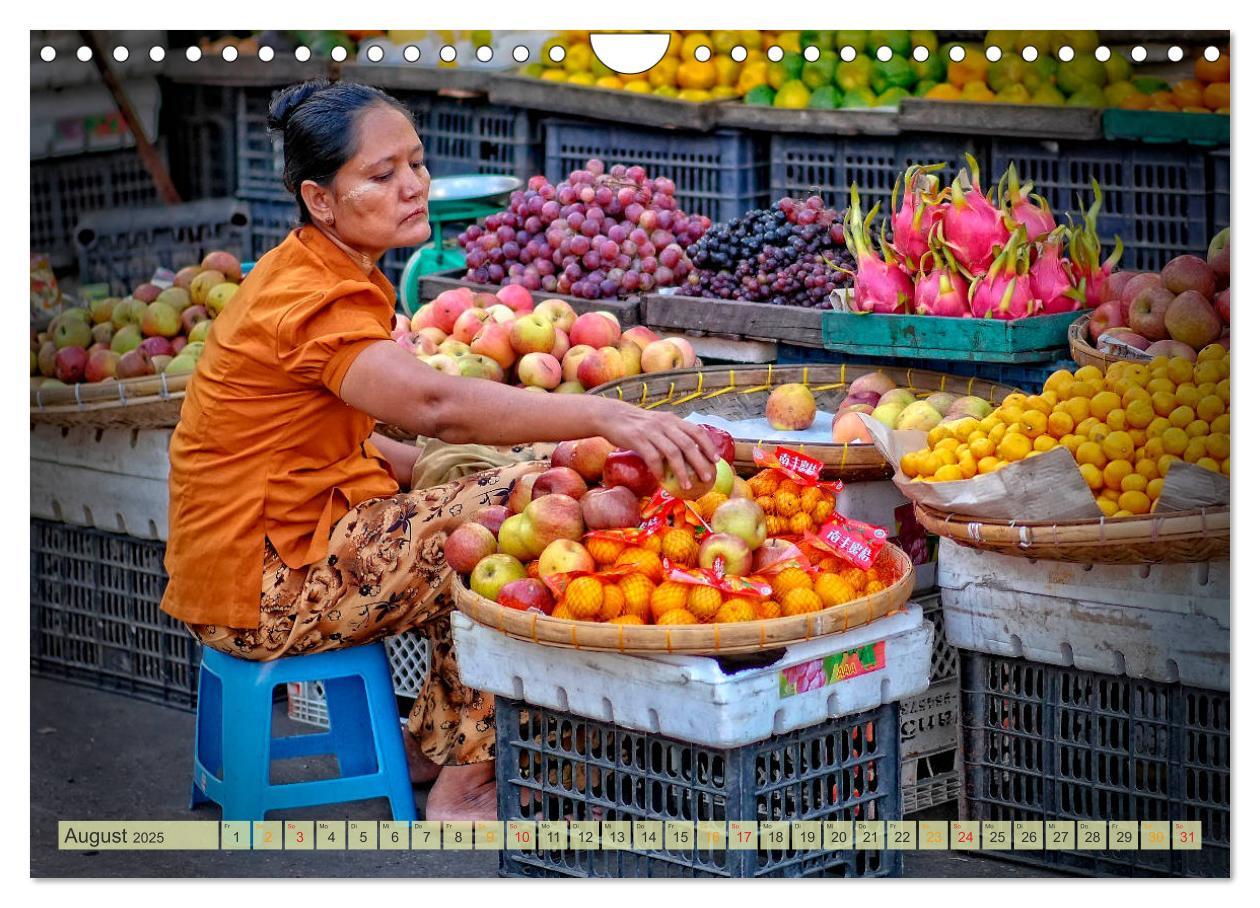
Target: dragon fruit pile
[[956, 253]]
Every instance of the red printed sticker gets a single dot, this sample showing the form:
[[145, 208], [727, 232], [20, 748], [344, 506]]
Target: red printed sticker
[[796, 466], [718, 579], [852, 540]]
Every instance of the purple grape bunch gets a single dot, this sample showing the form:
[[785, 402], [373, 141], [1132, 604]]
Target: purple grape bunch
[[596, 235], [773, 255]]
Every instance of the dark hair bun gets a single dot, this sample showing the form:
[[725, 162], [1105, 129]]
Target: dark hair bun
[[283, 103]]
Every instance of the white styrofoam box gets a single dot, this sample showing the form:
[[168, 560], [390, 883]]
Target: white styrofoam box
[[1160, 622], [689, 697], [111, 479], [67, 121]]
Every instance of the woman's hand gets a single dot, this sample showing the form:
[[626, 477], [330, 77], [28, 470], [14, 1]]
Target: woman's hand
[[662, 439]]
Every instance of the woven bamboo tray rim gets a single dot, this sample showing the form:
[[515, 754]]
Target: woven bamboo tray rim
[[1175, 537], [687, 639], [149, 402], [1085, 353], [707, 387]]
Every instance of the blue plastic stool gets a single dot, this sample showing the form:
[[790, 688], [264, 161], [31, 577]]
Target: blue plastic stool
[[234, 747]]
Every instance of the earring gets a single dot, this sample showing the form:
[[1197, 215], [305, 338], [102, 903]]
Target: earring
[[328, 221]]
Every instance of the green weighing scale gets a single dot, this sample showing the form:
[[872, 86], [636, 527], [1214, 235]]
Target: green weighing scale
[[452, 200]]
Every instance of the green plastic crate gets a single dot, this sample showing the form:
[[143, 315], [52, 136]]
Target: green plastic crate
[[984, 340], [1166, 126]]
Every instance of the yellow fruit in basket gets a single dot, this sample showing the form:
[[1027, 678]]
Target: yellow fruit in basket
[[1218, 445], [967, 464], [1115, 420], [1165, 463], [677, 616], [800, 602], [1135, 502], [561, 611], [1222, 390], [608, 82], [704, 602], [1059, 382], [987, 465], [1161, 385], [680, 547], [663, 74], [1088, 373], [810, 497], [766, 609], [636, 590], [1155, 488], [823, 510], [946, 444], [1158, 426], [605, 551], [1044, 443], [1132, 393], [639, 87], [990, 422], [1114, 473], [1059, 424], [1033, 423], [1198, 429], [948, 473], [1015, 399], [1154, 447], [1009, 414], [614, 602], [998, 433], [1221, 424], [946, 457], [1092, 475], [1175, 441], [1180, 370], [1146, 468], [1071, 442], [707, 503], [1014, 447], [1097, 432], [800, 524], [582, 78], [1196, 448], [1139, 413], [738, 609], [786, 503], [1077, 408], [766, 503], [1112, 495], [1188, 396], [1207, 371], [982, 448], [1041, 403], [584, 598], [777, 526], [935, 434], [1108, 508], [763, 484], [1133, 482], [790, 487], [647, 562], [653, 544], [1210, 407], [791, 579], [1118, 446], [669, 596], [1091, 452], [1122, 513], [1225, 466], [833, 589]]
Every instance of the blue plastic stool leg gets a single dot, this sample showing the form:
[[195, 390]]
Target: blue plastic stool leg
[[387, 735], [247, 755], [350, 723], [208, 743]]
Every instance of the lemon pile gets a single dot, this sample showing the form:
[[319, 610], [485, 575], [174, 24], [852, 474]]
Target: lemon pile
[[1125, 429]]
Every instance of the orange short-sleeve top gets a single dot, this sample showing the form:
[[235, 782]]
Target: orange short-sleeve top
[[265, 448]]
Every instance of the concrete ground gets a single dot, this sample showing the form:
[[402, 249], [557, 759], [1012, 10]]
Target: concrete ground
[[102, 756]]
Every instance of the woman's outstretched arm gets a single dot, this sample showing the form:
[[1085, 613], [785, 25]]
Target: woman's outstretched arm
[[387, 382]]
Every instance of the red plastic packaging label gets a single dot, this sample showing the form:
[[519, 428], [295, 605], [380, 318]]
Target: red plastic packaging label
[[796, 466], [854, 541], [718, 580]]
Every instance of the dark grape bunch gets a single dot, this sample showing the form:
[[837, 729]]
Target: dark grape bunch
[[773, 255], [596, 235]]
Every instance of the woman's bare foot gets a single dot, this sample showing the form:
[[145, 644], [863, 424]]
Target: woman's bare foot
[[463, 793], [422, 769]]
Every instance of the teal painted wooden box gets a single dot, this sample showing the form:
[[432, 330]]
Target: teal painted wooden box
[[984, 340]]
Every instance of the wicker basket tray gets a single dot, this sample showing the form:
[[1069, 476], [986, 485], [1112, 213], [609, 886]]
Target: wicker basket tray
[[150, 402], [1176, 537], [690, 639], [1084, 352], [740, 392]]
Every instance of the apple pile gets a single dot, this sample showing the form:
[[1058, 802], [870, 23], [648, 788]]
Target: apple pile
[[153, 330], [592, 539], [503, 337], [1178, 312]]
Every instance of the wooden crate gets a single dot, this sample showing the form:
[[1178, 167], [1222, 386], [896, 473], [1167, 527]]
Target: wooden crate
[[973, 118], [601, 103], [732, 318]]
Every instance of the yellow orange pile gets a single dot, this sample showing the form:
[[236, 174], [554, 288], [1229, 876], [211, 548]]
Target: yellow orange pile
[[1125, 429], [790, 508]]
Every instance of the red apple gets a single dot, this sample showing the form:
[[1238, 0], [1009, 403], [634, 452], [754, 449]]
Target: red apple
[[1137, 284], [468, 324], [448, 305], [539, 370], [559, 312], [494, 341], [1189, 272], [1173, 349], [662, 356], [69, 363], [492, 517], [562, 344], [1126, 336], [147, 293], [589, 456], [640, 335], [101, 365], [564, 556], [594, 330], [425, 317], [1147, 311], [722, 440], [688, 351], [610, 509], [522, 493], [1222, 305], [552, 517], [601, 366], [515, 297], [559, 481], [1192, 320], [1110, 314], [563, 454], [742, 518], [467, 545], [527, 594], [627, 468], [726, 554], [532, 333], [572, 359]]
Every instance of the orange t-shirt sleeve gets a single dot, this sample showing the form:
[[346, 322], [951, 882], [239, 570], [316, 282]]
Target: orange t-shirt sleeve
[[317, 342]]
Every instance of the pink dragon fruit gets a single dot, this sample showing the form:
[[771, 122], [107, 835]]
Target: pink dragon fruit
[[1005, 291], [1052, 279], [941, 291], [1085, 250], [880, 284], [973, 226], [921, 209], [1020, 206]]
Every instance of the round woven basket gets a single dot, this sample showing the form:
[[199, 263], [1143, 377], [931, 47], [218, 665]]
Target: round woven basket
[[1084, 352], [740, 392], [149, 402], [689, 639], [1176, 537]]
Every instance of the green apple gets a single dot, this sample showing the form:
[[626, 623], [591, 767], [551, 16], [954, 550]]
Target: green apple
[[494, 572]]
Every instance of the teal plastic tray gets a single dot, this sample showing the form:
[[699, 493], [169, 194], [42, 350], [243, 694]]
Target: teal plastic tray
[[982, 340], [1161, 126]]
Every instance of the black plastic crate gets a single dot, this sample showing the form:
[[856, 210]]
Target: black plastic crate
[[1043, 742], [259, 154], [200, 123], [721, 174], [463, 136], [96, 617], [944, 656], [1220, 190], [802, 165], [124, 247], [1155, 197], [552, 765], [271, 220], [64, 189], [1029, 377]]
